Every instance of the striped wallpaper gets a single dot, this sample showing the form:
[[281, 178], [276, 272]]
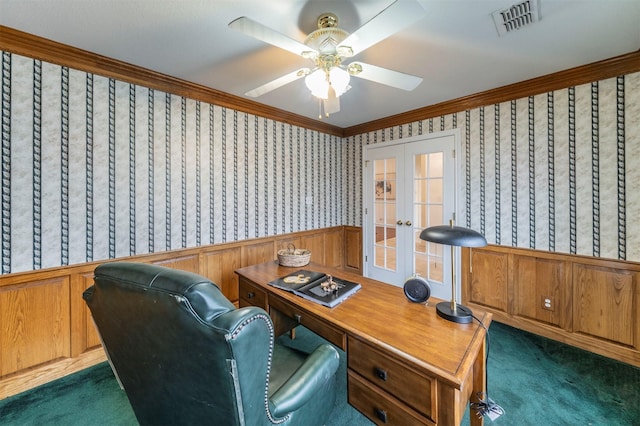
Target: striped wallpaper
[[95, 168], [556, 171]]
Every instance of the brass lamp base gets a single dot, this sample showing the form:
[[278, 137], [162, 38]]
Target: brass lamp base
[[461, 315]]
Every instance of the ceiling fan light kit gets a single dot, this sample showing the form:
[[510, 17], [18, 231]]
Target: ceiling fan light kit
[[328, 46], [320, 81]]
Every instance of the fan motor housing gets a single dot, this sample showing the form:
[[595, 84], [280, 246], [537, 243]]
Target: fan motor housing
[[325, 40], [327, 20]]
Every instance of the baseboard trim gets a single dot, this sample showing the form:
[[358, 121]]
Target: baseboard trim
[[36, 376]]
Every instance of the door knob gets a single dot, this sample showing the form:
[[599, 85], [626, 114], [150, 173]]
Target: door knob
[[408, 223], [399, 222]]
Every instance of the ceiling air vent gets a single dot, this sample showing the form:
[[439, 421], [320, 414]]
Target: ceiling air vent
[[517, 16]]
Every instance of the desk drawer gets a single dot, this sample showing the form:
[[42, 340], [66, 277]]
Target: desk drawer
[[414, 389], [250, 295], [310, 321], [379, 406]]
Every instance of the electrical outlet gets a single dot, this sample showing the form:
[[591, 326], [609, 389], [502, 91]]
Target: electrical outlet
[[547, 303]]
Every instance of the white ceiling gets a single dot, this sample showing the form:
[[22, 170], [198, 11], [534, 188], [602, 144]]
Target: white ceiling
[[455, 48]]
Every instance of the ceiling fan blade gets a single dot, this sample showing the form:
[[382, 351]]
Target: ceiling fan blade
[[256, 30], [385, 76], [397, 16], [278, 82]]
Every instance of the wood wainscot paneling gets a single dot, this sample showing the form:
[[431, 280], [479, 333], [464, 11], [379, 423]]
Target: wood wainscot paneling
[[540, 290], [190, 263], [353, 248], [606, 303], [258, 253], [314, 243], [586, 302], [333, 248], [489, 280], [35, 318], [84, 335], [219, 267], [46, 329]]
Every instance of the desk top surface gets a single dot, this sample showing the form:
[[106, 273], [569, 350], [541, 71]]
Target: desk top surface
[[380, 314]]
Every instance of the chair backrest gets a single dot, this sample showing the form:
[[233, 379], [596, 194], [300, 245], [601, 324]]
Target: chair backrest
[[180, 349]]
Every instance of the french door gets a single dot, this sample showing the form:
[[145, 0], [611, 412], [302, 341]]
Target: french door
[[409, 186]]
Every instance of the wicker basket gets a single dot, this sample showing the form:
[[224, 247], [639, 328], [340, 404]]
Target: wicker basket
[[293, 257]]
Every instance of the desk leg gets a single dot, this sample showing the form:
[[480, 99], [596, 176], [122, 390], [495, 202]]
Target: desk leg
[[282, 323], [479, 382]]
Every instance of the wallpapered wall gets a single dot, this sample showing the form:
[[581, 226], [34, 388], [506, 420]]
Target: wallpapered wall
[[94, 168], [556, 171]]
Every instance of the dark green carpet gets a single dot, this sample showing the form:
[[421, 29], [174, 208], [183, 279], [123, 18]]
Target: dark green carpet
[[537, 381]]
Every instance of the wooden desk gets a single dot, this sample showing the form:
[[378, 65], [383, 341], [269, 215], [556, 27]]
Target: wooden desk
[[405, 364]]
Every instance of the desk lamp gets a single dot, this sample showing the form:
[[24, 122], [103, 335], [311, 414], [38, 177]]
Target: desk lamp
[[451, 311], [453, 236]]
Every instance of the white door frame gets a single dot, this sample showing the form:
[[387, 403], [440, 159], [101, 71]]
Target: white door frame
[[458, 199]]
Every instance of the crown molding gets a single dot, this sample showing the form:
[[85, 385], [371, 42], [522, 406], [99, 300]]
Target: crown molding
[[29, 45], [608, 68]]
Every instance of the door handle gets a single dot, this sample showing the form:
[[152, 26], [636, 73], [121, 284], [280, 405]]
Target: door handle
[[399, 222], [408, 223]]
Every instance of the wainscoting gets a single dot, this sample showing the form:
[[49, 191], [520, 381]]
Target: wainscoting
[[587, 302], [46, 329]]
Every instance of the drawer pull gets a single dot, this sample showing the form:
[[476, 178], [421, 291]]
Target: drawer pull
[[380, 373], [381, 414], [251, 295], [298, 318]]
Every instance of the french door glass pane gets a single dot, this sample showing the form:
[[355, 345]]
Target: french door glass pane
[[385, 213], [428, 200], [421, 191], [420, 216], [436, 164], [435, 191], [435, 214], [421, 245]]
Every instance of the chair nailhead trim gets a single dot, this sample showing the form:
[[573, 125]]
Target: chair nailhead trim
[[237, 331]]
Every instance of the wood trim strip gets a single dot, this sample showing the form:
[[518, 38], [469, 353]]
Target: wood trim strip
[[565, 257], [608, 68], [40, 375], [25, 44], [30, 45]]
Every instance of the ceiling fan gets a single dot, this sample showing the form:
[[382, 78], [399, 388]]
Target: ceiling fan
[[329, 46]]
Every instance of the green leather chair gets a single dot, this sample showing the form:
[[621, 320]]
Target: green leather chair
[[185, 355]]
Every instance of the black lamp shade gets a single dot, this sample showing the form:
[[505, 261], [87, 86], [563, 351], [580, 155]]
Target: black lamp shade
[[453, 236]]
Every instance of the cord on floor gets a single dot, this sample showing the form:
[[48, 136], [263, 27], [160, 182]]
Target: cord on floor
[[485, 405]]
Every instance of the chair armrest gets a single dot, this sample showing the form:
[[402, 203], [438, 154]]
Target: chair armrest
[[309, 378]]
